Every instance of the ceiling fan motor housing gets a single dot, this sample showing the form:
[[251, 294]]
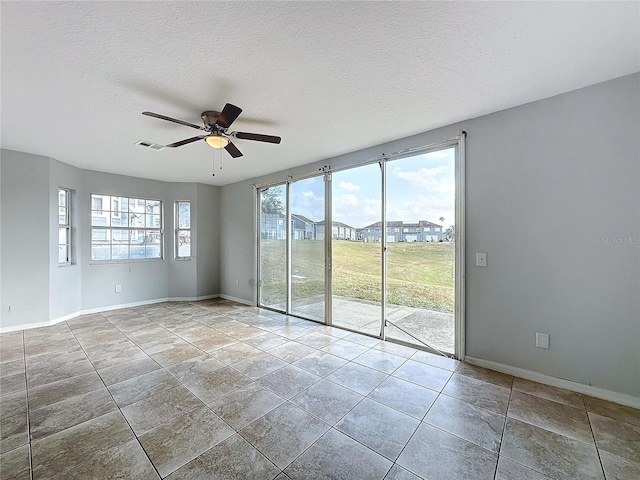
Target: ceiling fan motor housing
[[210, 118]]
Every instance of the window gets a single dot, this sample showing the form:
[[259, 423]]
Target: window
[[125, 228], [64, 227], [183, 229], [96, 203]]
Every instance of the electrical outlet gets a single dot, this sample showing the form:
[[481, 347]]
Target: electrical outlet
[[118, 288], [542, 340], [237, 283]]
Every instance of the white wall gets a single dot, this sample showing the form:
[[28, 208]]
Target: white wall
[[207, 239], [65, 286], [545, 183], [35, 290], [25, 238]]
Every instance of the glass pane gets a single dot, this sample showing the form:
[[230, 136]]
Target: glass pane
[[307, 251], [420, 253], [100, 218], [100, 202], [152, 237], [63, 236], [136, 219], [184, 243], [63, 254], [356, 248], [62, 216], [137, 252], [123, 204], [100, 252], [153, 207], [120, 236], [120, 252], [273, 248], [153, 221], [184, 214], [100, 235], [119, 220], [153, 251], [62, 198], [137, 237]]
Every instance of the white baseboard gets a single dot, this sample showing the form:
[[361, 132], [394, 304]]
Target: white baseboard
[[108, 308], [237, 300], [16, 328], [604, 394]]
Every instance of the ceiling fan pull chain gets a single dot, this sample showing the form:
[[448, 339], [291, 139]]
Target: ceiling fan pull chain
[[213, 164]]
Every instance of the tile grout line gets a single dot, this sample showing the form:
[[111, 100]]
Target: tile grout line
[[295, 340], [114, 401], [595, 443], [26, 392], [235, 317], [180, 385], [504, 429]]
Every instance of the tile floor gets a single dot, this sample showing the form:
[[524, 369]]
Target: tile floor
[[219, 390]]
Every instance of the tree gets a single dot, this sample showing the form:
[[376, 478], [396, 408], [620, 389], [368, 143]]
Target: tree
[[271, 200], [442, 220], [449, 235]]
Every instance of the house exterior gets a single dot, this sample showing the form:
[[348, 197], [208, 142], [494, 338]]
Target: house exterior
[[339, 231], [302, 227], [398, 231], [273, 227]]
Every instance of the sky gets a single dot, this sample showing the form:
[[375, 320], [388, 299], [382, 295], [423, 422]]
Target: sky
[[420, 187]]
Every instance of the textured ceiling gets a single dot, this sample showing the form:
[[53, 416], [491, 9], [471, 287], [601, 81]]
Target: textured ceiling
[[330, 78]]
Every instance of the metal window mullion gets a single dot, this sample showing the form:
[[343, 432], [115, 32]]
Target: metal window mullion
[[66, 225], [328, 253], [258, 226], [459, 254], [256, 249], [176, 228], [288, 246], [432, 147], [383, 243]]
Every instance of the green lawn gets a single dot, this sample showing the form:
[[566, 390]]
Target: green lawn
[[419, 274]]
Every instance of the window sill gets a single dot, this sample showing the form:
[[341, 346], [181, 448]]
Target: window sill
[[117, 262]]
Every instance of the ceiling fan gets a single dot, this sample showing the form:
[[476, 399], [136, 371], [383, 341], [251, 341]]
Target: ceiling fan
[[216, 125]]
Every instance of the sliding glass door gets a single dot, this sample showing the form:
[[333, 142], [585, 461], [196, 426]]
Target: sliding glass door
[[420, 207], [376, 248], [272, 247], [356, 249], [307, 249]]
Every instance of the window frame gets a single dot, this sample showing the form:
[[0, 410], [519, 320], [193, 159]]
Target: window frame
[[178, 230], [66, 225], [129, 231]]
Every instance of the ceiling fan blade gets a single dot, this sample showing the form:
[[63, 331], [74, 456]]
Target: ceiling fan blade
[[228, 115], [184, 142], [257, 137], [169, 119], [233, 150]]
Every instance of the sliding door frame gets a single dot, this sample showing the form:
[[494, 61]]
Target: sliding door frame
[[459, 270], [328, 255]]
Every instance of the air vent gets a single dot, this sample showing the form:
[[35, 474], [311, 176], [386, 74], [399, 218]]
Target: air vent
[[151, 145]]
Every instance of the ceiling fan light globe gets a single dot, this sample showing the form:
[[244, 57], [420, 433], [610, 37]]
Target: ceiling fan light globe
[[217, 141]]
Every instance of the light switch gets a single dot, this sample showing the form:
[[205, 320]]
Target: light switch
[[481, 259]]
